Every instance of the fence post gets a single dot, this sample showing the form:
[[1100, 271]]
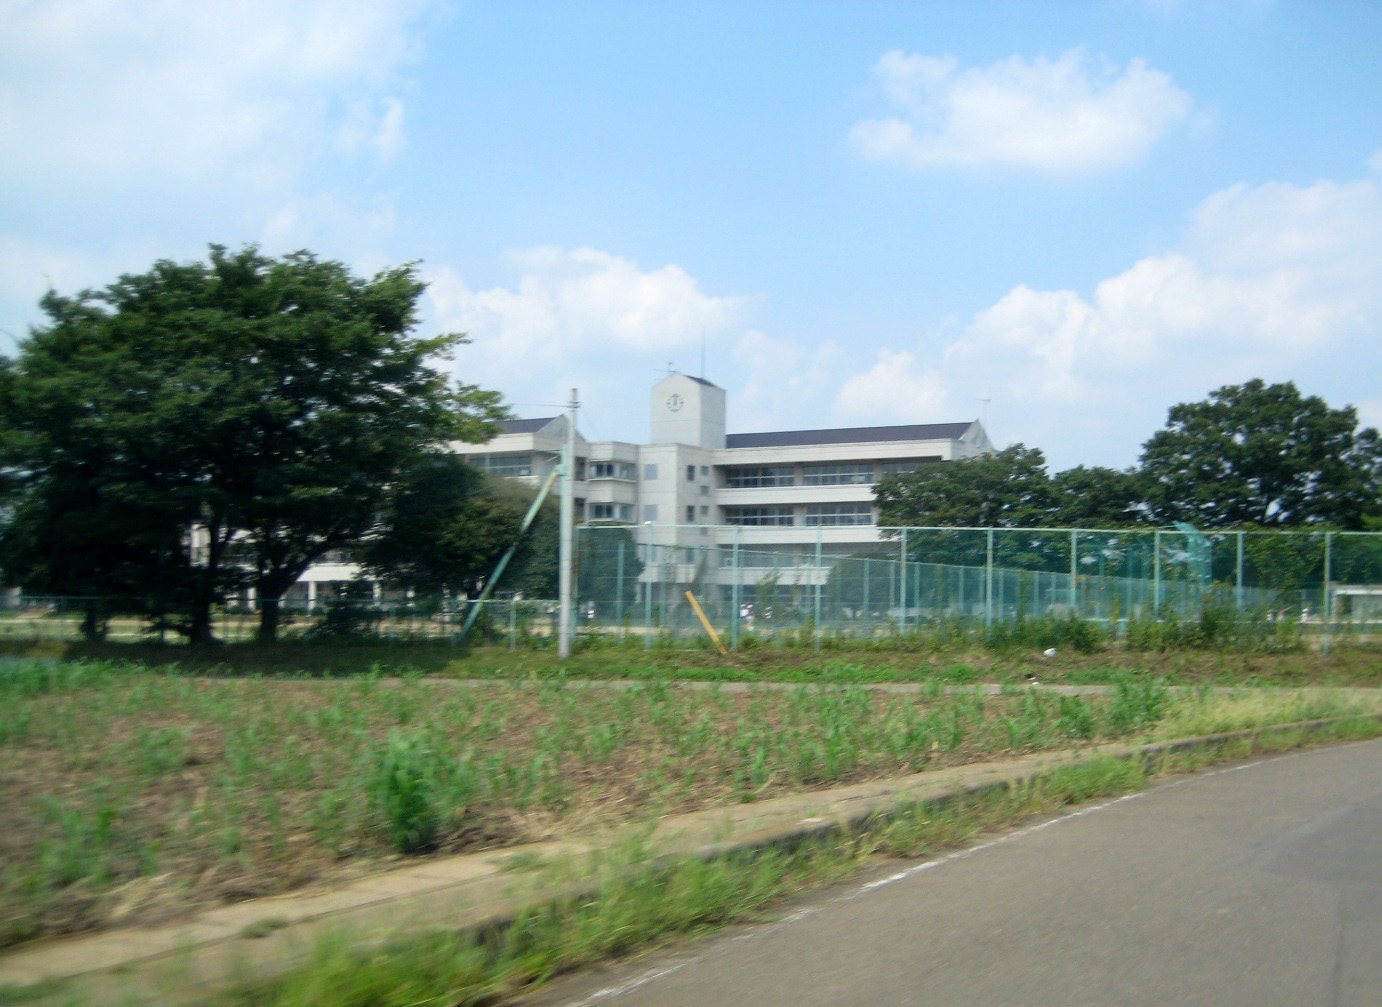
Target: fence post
[[1238, 583], [902, 587], [819, 571], [868, 612], [650, 571], [1074, 572], [988, 580], [619, 590], [736, 592], [1327, 609], [1156, 574]]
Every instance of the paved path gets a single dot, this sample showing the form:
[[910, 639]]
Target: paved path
[[1257, 885]]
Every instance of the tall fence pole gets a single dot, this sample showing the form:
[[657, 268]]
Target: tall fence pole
[[619, 589], [1238, 591], [988, 579], [820, 571], [902, 586], [1327, 609], [736, 591], [1156, 574], [1074, 572], [649, 573], [566, 609]]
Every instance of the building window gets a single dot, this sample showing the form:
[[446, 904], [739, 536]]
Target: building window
[[504, 465], [705, 471], [705, 491], [611, 470], [758, 515], [748, 477], [898, 467], [650, 512], [838, 514], [650, 470], [705, 512], [837, 474], [690, 513], [690, 473], [609, 512]]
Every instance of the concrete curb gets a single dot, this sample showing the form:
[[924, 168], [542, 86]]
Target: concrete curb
[[182, 962]]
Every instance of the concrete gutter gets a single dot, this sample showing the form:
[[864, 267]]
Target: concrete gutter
[[186, 961]]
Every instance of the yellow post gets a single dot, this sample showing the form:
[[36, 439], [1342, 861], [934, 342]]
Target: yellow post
[[710, 630]]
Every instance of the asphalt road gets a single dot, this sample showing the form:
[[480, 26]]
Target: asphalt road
[[1258, 884]]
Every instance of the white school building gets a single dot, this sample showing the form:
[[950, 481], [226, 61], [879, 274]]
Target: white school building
[[694, 485]]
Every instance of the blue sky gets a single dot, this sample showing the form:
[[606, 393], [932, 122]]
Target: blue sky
[[1064, 217]]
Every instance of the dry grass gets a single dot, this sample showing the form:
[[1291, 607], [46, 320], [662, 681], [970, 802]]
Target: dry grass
[[134, 796]]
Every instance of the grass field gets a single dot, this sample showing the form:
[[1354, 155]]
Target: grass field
[[135, 794], [916, 660]]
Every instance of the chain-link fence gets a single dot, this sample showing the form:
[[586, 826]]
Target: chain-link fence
[[755, 584], [771, 583], [512, 621]]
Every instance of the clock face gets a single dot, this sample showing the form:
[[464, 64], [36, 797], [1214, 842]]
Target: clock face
[[675, 402]]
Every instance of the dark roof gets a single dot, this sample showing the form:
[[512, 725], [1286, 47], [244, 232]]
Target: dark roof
[[849, 435], [701, 381], [524, 426]]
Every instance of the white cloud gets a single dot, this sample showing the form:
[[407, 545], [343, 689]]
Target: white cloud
[[580, 317], [1370, 413], [1273, 281], [140, 129], [898, 387], [582, 300], [149, 114], [1069, 114], [778, 382], [116, 89]]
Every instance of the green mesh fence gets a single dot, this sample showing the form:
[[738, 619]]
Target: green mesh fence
[[769, 584], [632, 581], [512, 621]]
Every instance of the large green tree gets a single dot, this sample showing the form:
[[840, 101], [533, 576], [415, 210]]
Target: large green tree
[[445, 526], [261, 407], [1006, 489], [1097, 497], [1263, 455]]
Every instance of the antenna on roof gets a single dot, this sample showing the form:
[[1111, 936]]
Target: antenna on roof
[[671, 368], [984, 415]]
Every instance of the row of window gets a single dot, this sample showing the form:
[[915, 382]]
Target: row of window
[[610, 470], [812, 515], [609, 512], [504, 465], [817, 474], [738, 477]]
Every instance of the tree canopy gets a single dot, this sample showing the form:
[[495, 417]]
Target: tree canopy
[[255, 411], [446, 524], [1251, 456], [1007, 489], [1264, 455]]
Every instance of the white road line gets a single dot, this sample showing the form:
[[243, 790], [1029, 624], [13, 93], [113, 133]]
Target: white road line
[[629, 985]]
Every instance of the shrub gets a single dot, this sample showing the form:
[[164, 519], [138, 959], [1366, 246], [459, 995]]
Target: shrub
[[406, 788]]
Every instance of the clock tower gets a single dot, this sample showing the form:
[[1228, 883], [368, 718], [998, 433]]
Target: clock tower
[[687, 410]]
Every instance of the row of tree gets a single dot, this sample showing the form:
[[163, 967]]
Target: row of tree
[[202, 428], [1250, 456]]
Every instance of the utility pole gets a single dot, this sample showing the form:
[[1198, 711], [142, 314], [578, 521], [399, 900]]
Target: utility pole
[[566, 559]]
